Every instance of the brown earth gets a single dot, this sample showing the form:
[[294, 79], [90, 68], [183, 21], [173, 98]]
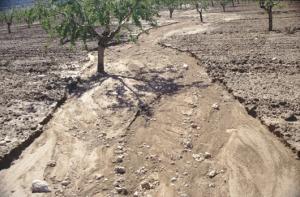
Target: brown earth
[[155, 114], [260, 68], [36, 73]]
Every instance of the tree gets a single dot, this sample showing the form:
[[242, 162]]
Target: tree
[[171, 5], [100, 20], [29, 16], [223, 3], [200, 5], [6, 17], [268, 5]]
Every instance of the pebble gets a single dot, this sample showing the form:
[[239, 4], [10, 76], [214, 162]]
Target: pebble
[[198, 157], [145, 185], [121, 190], [39, 186], [7, 140], [119, 159], [212, 174], [98, 176], [290, 116], [65, 183], [51, 164], [211, 185], [194, 126], [207, 155], [136, 194], [188, 144], [215, 106], [2, 143], [174, 179], [120, 170], [185, 66]]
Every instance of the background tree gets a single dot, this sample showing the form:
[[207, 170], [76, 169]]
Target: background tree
[[6, 17], [224, 3], [268, 5], [100, 20], [29, 16], [200, 5], [171, 5]]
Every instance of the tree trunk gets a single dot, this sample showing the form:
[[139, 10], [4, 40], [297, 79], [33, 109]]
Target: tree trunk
[[201, 17], [223, 6], [238, 1], [212, 3], [233, 3], [9, 28], [171, 12], [270, 19], [100, 66]]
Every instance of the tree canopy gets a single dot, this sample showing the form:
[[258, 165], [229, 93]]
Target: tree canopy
[[73, 20]]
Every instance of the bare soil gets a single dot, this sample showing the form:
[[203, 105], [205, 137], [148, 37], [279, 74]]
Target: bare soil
[[36, 75], [33, 80], [156, 125], [260, 68]]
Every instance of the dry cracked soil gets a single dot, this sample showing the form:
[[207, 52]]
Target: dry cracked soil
[[157, 124]]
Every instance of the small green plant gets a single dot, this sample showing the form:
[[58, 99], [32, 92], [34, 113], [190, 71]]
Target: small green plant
[[29, 16]]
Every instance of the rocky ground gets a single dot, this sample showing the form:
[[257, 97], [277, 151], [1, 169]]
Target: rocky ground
[[260, 68], [36, 74], [33, 80]]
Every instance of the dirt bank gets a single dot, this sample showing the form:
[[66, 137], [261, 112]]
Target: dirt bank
[[260, 68]]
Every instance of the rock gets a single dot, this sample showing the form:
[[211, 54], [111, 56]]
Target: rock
[[65, 183], [98, 176], [188, 144], [136, 194], [215, 106], [198, 157], [185, 66], [51, 164], [119, 159], [174, 179], [194, 126], [211, 185], [39, 186], [290, 116], [207, 155], [212, 174], [145, 185], [7, 140], [121, 190], [120, 170], [2, 143], [184, 195]]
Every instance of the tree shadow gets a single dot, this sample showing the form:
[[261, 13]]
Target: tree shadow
[[142, 83]]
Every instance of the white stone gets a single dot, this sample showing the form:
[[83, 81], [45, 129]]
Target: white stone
[[211, 173], [215, 106], [185, 66], [39, 186]]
